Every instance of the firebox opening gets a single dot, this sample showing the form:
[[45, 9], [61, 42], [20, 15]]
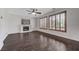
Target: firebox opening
[[26, 28]]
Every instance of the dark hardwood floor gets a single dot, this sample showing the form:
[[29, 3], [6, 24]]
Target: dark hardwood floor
[[38, 41]]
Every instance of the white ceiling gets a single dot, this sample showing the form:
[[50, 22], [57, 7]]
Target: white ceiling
[[23, 12]]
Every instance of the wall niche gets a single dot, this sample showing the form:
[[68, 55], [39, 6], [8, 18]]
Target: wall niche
[[25, 21]]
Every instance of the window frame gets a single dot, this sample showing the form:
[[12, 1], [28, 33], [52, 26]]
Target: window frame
[[45, 22], [65, 21]]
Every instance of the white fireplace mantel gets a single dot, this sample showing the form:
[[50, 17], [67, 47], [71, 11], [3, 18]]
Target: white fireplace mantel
[[25, 31]]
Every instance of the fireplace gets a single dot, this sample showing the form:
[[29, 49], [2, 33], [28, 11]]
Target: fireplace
[[25, 25], [25, 28]]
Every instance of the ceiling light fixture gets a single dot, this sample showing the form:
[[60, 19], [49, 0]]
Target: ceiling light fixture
[[33, 13]]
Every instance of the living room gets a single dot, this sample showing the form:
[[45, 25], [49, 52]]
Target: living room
[[27, 20]]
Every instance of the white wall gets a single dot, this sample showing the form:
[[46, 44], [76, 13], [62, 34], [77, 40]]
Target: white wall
[[33, 24], [3, 27], [14, 23], [72, 25]]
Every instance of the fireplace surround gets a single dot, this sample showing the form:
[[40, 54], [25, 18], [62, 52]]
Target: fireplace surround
[[25, 28], [25, 25]]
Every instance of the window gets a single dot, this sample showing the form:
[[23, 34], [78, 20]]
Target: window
[[63, 22], [58, 21], [43, 23], [47, 23], [54, 22]]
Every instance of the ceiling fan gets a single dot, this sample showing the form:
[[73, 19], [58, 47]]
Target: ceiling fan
[[33, 11]]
